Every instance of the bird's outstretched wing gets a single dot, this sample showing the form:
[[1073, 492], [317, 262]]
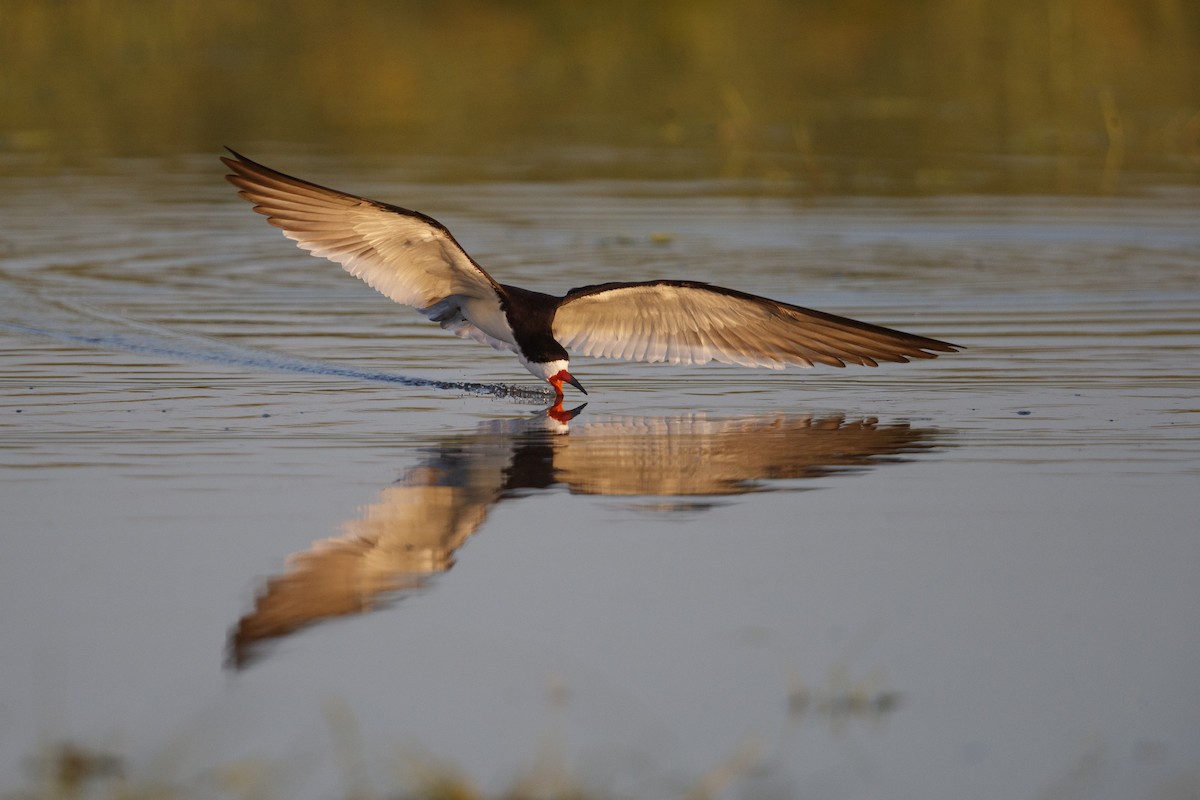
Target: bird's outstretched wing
[[687, 322], [403, 254]]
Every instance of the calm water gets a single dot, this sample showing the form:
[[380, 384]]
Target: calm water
[[257, 532]]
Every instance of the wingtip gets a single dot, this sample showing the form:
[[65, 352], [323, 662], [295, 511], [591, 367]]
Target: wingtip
[[240, 163], [242, 167], [232, 163]]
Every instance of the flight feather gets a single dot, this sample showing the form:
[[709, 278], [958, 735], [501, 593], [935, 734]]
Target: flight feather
[[689, 322]]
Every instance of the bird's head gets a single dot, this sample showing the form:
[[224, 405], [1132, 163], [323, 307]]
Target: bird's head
[[555, 373]]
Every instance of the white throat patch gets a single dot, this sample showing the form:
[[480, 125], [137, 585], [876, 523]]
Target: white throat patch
[[545, 369]]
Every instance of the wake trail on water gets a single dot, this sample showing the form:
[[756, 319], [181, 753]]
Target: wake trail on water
[[157, 340]]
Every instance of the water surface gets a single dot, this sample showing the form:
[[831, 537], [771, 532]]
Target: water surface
[[246, 499]]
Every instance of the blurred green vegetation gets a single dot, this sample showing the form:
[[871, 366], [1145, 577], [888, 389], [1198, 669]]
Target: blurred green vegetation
[[821, 95]]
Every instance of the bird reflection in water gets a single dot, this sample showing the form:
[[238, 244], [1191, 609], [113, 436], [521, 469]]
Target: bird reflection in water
[[410, 534]]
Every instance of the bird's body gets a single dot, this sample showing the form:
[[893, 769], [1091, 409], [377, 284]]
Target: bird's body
[[415, 260]]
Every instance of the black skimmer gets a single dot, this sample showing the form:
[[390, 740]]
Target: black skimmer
[[413, 259]]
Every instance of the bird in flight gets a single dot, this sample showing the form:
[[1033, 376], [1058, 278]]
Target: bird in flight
[[415, 260]]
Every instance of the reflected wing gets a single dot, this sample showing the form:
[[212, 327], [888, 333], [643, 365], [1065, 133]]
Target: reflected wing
[[397, 544], [411, 258], [405, 538], [687, 322], [699, 457]]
